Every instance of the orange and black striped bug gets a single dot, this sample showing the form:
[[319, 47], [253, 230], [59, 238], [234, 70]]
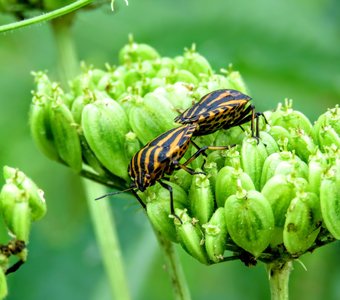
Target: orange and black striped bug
[[220, 109], [161, 157]]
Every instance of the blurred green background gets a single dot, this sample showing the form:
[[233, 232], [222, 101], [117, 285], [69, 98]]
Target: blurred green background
[[282, 49]]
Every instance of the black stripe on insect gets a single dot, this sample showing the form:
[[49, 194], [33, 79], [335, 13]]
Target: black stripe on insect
[[221, 109], [159, 158]]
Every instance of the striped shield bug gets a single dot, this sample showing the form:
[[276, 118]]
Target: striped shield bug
[[220, 109], [161, 157]]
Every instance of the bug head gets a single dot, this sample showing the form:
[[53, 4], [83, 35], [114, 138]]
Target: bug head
[[141, 179]]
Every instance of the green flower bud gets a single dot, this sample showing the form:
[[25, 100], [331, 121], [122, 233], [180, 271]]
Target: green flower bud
[[10, 195], [330, 120], [65, 135], [295, 167], [132, 144], [151, 117], [250, 221], [269, 142], [216, 236], [234, 135], [253, 155], [159, 215], [78, 105], [330, 201], [105, 125], [35, 195], [302, 144], [184, 76], [236, 82], [271, 163], [288, 118], [194, 63], [191, 237], [3, 284], [157, 192], [40, 126], [328, 136], [113, 85], [133, 52], [316, 166], [302, 224], [211, 169], [182, 178], [178, 94], [279, 191], [227, 182], [20, 222], [281, 136], [201, 198], [215, 82]]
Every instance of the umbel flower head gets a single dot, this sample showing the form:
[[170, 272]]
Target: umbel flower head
[[267, 198]]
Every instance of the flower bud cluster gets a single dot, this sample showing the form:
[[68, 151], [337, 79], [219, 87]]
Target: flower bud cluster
[[21, 203], [270, 197]]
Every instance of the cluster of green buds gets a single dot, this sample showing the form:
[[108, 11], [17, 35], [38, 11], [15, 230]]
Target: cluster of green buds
[[21, 203], [267, 199]]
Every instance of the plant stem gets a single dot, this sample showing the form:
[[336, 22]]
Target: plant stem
[[46, 16], [67, 56], [179, 284], [104, 226], [278, 273]]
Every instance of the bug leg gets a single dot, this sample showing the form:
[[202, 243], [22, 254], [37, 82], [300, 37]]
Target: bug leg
[[139, 199], [185, 168], [197, 147], [172, 206], [14, 267]]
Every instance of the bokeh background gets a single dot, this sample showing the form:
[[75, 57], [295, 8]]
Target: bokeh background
[[282, 48]]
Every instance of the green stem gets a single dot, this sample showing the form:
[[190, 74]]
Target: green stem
[[67, 56], [278, 273], [174, 268], [46, 16], [104, 226]]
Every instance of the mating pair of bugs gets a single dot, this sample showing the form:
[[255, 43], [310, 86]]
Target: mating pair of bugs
[[220, 109]]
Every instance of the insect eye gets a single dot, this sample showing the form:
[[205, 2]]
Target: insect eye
[[148, 176]]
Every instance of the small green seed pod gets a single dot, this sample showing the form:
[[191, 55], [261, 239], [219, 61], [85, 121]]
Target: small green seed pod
[[330, 202], [134, 52], [35, 195], [201, 198], [65, 136], [279, 133], [9, 196], [302, 144], [159, 215], [105, 125], [253, 156], [132, 144], [195, 63], [279, 191], [227, 182], [40, 126], [316, 167], [191, 237], [216, 236], [151, 117], [288, 118], [295, 167], [303, 221], [20, 223], [269, 142], [236, 82], [250, 221], [328, 136], [182, 178]]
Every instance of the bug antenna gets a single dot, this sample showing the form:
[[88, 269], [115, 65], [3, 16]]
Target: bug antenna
[[115, 193]]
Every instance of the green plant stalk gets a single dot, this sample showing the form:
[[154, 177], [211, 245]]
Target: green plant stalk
[[278, 274], [104, 227], [46, 16], [174, 268], [67, 56]]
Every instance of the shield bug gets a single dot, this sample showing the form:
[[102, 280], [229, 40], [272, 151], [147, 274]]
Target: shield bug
[[161, 157], [220, 109]]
